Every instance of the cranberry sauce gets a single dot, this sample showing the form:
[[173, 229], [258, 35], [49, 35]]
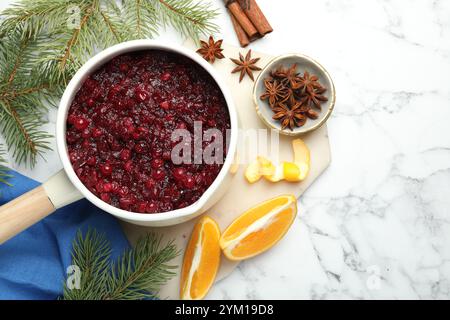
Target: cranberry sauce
[[120, 125]]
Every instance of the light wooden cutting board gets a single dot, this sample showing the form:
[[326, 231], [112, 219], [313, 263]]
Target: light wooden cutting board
[[241, 195]]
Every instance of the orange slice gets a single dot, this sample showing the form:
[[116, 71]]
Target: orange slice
[[259, 228], [201, 260]]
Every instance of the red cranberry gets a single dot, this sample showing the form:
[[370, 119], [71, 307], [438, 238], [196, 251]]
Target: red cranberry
[[74, 156], [166, 76], [105, 197], [96, 132], [91, 161], [142, 207], [136, 135], [126, 202], [165, 105], [85, 144], [80, 123], [123, 191], [150, 184], [71, 119], [125, 154], [165, 206], [128, 166], [143, 130], [158, 174], [124, 67], [157, 163], [90, 102], [99, 188], [106, 169], [114, 187], [152, 207], [167, 155], [179, 173], [140, 94], [140, 147], [86, 133], [79, 171], [107, 187], [90, 84], [189, 182]]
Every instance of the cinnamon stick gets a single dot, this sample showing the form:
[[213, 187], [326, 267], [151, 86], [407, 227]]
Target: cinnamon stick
[[256, 16], [241, 17], [240, 33]]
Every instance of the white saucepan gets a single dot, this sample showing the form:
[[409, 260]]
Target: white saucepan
[[65, 187]]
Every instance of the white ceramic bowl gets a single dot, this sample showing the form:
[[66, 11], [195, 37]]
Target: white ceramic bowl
[[211, 195], [304, 63]]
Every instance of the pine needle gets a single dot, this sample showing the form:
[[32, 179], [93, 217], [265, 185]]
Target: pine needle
[[4, 175], [191, 18], [137, 274]]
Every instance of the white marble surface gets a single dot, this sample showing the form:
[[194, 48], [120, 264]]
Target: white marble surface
[[376, 224]]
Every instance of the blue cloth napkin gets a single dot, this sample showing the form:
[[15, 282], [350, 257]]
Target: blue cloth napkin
[[33, 264]]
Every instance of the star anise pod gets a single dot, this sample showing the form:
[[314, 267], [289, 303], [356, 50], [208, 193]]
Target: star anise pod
[[307, 83], [289, 76], [278, 73], [211, 50], [311, 114], [291, 97], [315, 98], [275, 91], [245, 65], [289, 117]]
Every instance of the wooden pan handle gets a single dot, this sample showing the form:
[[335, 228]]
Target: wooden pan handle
[[23, 212]]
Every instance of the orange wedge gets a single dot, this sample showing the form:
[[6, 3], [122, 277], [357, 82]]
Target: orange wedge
[[201, 260], [259, 228]]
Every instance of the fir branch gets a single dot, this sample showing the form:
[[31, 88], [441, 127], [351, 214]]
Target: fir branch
[[24, 100], [142, 270], [87, 14], [137, 274], [35, 15], [141, 17], [20, 128], [114, 25], [91, 254], [4, 175], [190, 18]]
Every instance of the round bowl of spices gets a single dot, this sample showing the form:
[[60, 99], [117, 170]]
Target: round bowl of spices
[[294, 94]]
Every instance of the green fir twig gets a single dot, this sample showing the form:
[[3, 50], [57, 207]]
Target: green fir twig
[[191, 18], [137, 274], [24, 97]]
